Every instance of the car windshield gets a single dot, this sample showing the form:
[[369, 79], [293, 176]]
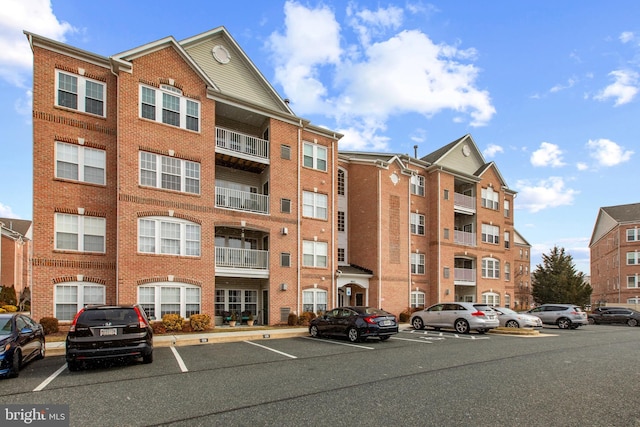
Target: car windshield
[[5, 326], [506, 311]]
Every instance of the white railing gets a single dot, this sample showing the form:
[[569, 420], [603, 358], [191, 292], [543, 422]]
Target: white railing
[[465, 275], [241, 143], [241, 200], [464, 238], [465, 202], [242, 258]]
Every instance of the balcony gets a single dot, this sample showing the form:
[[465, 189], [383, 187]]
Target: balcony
[[241, 200], [464, 276], [241, 145], [464, 204], [464, 238], [242, 262]]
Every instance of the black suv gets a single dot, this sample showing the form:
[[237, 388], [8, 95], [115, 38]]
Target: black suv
[[614, 315], [106, 332]]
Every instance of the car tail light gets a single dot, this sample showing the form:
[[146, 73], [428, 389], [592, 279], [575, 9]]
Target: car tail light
[[478, 313], [141, 320], [370, 319], [72, 328]]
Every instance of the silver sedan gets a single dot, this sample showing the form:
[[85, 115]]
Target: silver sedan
[[512, 319]]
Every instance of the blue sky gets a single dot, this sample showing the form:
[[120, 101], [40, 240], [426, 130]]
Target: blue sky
[[547, 89]]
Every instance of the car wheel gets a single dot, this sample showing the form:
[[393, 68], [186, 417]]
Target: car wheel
[[384, 338], [482, 331], [15, 364], [632, 322], [417, 323], [564, 323], [512, 324], [591, 321], [353, 335], [73, 366], [147, 358], [42, 351], [461, 326], [314, 332]]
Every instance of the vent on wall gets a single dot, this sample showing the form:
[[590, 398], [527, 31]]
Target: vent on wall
[[284, 314]]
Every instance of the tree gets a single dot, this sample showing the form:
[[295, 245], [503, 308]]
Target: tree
[[558, 282]]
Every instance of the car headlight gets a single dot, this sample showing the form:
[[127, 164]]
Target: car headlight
[[5, 347]]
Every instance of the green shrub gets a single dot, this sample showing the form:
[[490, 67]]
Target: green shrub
[[50, 325], [172, 322], [292, 320], [200, 322], [10, 308]]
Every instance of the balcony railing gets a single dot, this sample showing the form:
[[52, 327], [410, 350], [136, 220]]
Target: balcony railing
[[464, 238], [242, 258], [464, 203], [241, 200], [241, 143], [464, 276]]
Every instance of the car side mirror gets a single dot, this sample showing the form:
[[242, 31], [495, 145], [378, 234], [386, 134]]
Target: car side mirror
[[26, 330]]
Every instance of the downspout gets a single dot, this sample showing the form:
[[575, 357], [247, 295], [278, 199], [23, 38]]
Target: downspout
[[299, 224], [334, 255], [409, 282], [118, 189], [379, 238], [619, 268], [438, 203]]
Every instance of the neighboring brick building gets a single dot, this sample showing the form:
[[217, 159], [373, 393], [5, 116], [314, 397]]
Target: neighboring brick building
[[615, 255], [15, 246], [173, 175]]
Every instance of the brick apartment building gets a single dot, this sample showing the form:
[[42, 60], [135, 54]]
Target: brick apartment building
[[615, 255], [15, 246], [173, 175]]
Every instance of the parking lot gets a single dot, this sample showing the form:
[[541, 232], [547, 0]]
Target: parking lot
[[447, 376]]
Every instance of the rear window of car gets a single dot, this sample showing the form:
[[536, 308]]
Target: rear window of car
[[576, 308], [114, 316]]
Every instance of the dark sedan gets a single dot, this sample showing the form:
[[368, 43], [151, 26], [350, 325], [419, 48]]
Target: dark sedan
[[21, 340], [355, 323], [615, 315]]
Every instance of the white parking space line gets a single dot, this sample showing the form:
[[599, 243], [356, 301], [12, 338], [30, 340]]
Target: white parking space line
[[46, 382], [339, 343], [183, 367], [272, 349], [422, 340]]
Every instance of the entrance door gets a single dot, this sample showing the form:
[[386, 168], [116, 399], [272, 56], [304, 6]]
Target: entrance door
[[265, 307], [360, 298]]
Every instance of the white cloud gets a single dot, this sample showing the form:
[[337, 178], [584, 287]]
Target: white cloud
[[492, 150], [6, 212], [608, 153], [623, 89], [581, 166], [626, 36], [367, 23], [544, 194], [559, 87], [547, 155], [35, 16]]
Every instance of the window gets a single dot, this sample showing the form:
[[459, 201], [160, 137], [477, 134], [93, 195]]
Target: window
[[507, 210], [314, 300], [314, 205], [80, 163], [417, 299], [80, 93], [490, 268], [167, 105], [633, 300], [341, 222], [417, 185], [341, 182], [171, 236], [417, 224], [446, 194], [633, 282], [417, 263], [315, 156], [490, 234], [490, 198], [285, 152], [506, 239], [633, 258], [491, 298], [342, 255], [507, 271], [314, 254], [70, 297], [633, 234], [285, 205], [237, 300], [175, 174], [446, 272], [80, 233], [163, 298], [285, 259]]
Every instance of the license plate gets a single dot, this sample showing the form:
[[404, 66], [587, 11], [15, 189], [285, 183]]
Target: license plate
[[108, 332], [386, 323]]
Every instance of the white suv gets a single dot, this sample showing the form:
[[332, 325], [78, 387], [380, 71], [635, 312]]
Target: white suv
[[566, 316]]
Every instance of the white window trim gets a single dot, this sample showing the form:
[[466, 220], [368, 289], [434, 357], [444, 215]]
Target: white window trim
[[636, 280], [80, 232], [315, 206], [158, 171], [417, 185], [495, 268], [491, 298], [82, 93], [633, 258], [158, 221], [490, 198], [315, 157], [80, 297], [417, 224], [159, 106], [491, 234], [315, 301], [417, 263], [81, 162], [157, 286], [416, 296], [319, 250]]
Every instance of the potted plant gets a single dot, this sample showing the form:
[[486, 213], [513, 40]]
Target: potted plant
[[233, 319], [250, 320]]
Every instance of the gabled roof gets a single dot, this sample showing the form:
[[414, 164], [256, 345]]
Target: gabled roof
[[610, 217], [518, 239], [20, 226]]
